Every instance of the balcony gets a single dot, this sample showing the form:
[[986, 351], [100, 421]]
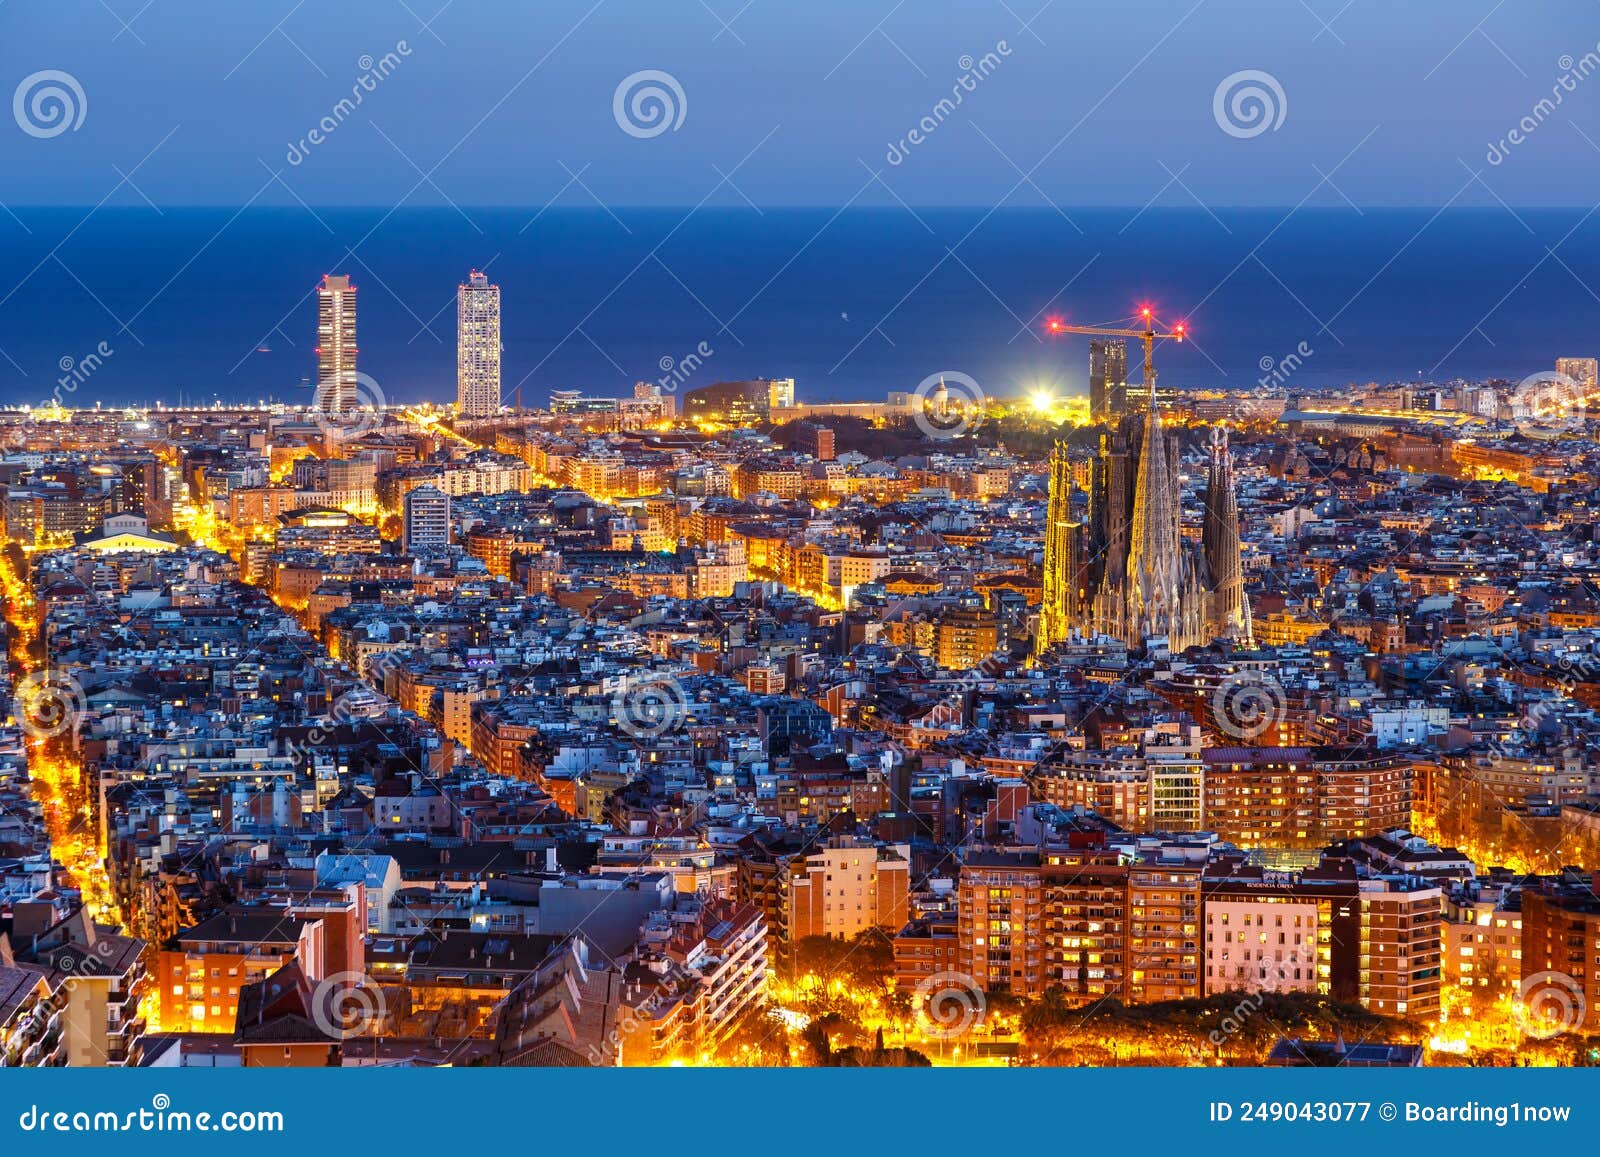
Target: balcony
[[124, 1007], [123, 1049], [45, 1050]]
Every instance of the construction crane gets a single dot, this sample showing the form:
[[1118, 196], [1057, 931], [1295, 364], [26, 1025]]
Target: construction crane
[[1149, 335]]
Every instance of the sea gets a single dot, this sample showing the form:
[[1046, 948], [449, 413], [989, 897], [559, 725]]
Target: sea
[[133, 306]]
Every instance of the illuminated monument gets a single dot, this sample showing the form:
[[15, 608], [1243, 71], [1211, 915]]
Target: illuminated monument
[[1125, 570]]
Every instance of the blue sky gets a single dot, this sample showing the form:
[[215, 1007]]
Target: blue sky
[[495, 102]]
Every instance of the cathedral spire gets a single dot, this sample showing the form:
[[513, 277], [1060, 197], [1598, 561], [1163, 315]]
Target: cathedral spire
[[1155, 571], [1220, 542], [1058, 613]]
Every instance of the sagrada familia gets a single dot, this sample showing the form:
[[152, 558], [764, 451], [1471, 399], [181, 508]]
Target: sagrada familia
[[1124, 570]]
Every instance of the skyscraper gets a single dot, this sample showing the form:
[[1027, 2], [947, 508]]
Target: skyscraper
[[1108, 379], [336, 345], [426, 519], [478, 347]]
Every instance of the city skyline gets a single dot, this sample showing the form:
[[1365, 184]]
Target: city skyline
[[1251, 773], [784, 633]]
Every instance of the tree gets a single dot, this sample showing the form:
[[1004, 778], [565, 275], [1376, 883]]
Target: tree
[[1237, 1025], [864, 962]]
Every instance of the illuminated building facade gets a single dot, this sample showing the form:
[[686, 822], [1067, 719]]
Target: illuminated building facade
[[336, 345], [1125, 572], [203, 968], [1561, 945], [1108, 379], [1303, 797], [739, 403], [1268, 936], [847, 888], [1081, 919], [1065, 580], [426, 519], [1402, 947], [1164, 932], [964, 636], [478, 347]]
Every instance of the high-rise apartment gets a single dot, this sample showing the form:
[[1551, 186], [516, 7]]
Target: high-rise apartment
[[478, 347], [426, 518], [336, 345]]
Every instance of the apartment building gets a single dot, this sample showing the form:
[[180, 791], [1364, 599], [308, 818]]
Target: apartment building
[[847, 887], [202, 969], [1561, 951], [1401, 964]]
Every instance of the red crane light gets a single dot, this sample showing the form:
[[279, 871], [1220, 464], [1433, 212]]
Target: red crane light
[[1053, 324]]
